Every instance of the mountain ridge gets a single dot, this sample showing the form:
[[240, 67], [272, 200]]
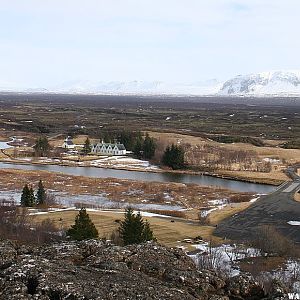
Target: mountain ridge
[[263, 84]]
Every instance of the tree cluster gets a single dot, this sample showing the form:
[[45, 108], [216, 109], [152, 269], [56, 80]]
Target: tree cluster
[[125, 137], [144, 147], [210, 157], [42, 146], [173, 157], [132, 230], [28, 199]]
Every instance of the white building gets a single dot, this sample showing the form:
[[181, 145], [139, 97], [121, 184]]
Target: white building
[[69, 145], [108, 149]]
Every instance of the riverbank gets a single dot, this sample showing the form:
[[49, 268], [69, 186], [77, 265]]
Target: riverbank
[[136, 175], [273, 179], [188, 196]]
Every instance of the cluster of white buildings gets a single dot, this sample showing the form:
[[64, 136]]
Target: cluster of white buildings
[[108, 149], [101, 148]]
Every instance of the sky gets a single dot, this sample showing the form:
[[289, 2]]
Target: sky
[[51, 42]]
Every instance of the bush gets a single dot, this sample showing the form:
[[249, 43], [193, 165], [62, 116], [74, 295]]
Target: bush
[[272, 243], [15, 224]]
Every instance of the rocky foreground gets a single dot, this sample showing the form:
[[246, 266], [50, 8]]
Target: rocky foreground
[[97, 270]]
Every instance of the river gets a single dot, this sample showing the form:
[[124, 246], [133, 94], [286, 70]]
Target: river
[[148, 176], [4, 145]]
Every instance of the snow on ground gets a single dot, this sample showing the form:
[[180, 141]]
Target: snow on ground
[[254, 199], [118, 162], [34, 212], [224, 257], [272, 160], [218, 202], [101, 201], [148, 214], [214, 205], [205, 213], [167, 196], [98, 201], [10, 195], [122, 162], [294, 223]]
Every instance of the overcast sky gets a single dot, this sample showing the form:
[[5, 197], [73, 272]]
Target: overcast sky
[[44, 43]]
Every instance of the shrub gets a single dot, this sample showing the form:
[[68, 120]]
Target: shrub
[[272, 243]]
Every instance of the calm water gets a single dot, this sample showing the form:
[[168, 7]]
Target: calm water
[[4, 145], [147, 176]]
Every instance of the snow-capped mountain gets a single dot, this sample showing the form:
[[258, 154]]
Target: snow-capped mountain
[[278, 83], [275, 83], [139, 88]]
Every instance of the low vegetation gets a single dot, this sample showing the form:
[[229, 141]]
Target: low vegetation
[[16, 224], [292, 144], [272, 243], [237, 139]]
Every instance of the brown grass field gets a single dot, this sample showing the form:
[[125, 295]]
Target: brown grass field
[[168, 233], [290, 156]]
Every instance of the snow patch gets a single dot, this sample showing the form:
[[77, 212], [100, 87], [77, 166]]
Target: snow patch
[[294, 223]]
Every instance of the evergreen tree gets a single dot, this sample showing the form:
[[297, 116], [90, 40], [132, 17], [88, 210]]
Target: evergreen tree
[[83, 228], [42, 146], [148, 147], [138, 148], [174, 157], [31, 199], [133, 230], [147, 232], [27, 197], [87, 146], [41, 194], [127, 138]]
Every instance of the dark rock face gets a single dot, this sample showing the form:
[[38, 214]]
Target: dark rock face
[[97, 270]]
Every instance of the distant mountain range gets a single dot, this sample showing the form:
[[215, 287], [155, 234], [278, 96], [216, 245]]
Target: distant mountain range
[[275, 83]]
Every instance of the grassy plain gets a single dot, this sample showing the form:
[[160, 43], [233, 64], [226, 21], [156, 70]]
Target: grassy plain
[[168, 233], [269, 119]]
